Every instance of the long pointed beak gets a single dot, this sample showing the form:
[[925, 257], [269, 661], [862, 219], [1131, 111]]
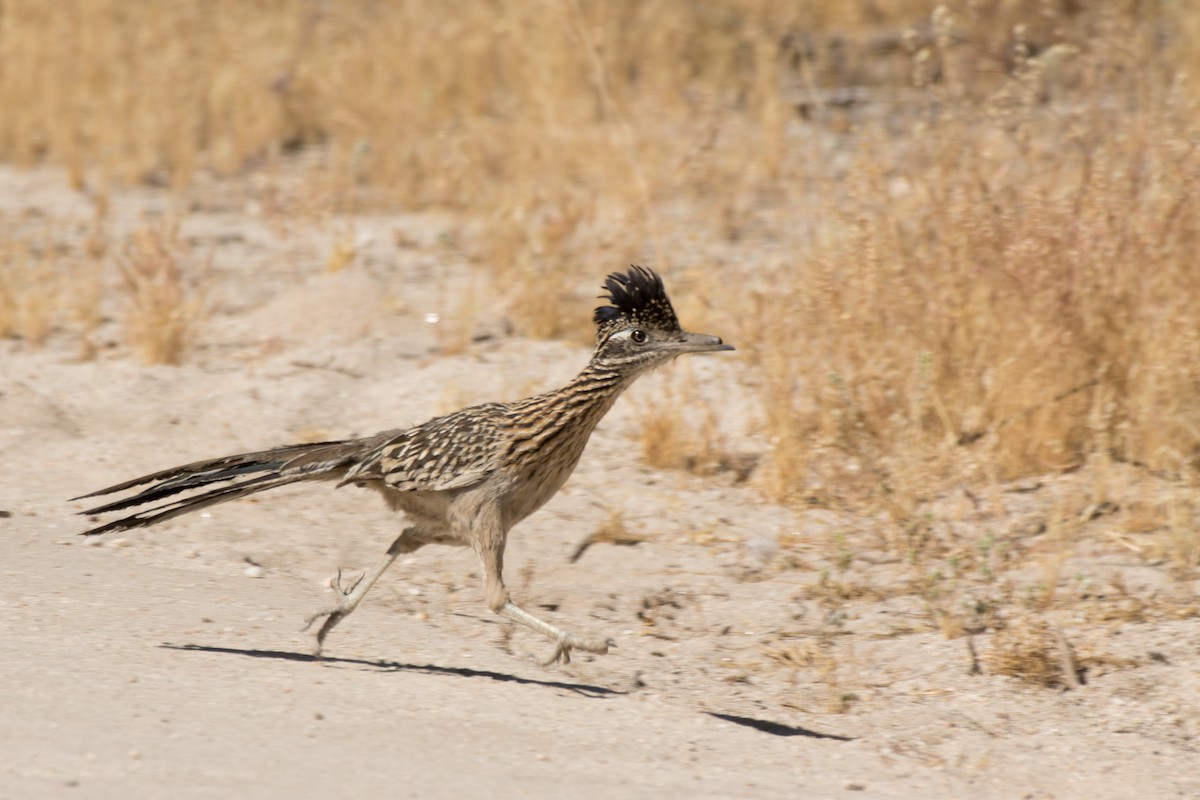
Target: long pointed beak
[[701, 343]]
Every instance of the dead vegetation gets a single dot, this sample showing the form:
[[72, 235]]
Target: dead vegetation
[[613, 531], [163, 307], [954, 245], [995, 183]]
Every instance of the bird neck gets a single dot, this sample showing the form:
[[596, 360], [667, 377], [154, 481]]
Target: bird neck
[[600, 372], [566, 417], [589, 395]]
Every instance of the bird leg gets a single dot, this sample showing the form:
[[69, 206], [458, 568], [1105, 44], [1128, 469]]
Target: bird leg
[[564, 642], [348, 599], [491, 561]]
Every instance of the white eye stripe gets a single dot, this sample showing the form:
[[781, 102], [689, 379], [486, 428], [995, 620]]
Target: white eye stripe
[[638, 336]]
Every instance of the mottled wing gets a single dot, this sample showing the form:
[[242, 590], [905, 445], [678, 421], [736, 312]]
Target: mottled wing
[[452, 452]]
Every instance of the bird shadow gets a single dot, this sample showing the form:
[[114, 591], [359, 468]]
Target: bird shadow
[[584, 689], [777, 728]]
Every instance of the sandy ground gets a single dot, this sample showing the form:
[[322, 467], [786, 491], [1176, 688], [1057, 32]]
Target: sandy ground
[[170, 662]]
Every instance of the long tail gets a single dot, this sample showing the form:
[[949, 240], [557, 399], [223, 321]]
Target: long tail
[[225, 479]]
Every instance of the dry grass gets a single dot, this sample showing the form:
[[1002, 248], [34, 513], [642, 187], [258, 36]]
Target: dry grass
[[954, 246], [674, 435], [1002, 289], [47, 286], [27, 290], [613, 531], [1038, 652], [163, 305], [1031, 650]]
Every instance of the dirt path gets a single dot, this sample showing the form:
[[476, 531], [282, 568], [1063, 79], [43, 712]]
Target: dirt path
[[115, 685]]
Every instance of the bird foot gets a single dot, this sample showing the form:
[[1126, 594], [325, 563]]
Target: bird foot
[[332, 617], [566, 642], [336, 583], [335, 613]]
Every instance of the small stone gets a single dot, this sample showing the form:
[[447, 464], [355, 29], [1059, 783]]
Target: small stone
[[762, 549], [122, 543], [253, 571]]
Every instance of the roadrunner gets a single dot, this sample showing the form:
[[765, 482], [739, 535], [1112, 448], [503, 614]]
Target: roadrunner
[[462, 479]]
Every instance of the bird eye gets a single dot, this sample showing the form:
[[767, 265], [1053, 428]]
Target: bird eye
[[638, 336]]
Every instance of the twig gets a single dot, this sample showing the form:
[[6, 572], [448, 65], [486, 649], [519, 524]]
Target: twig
[[1070, 672], [975, 668], [970, 437]]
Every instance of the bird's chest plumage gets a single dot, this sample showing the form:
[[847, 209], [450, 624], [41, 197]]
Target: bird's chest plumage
[[543, 438], [541, 477]]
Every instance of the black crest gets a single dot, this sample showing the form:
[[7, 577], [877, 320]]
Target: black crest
[[638, 300]]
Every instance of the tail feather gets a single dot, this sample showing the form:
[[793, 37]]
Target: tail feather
[[186, 505], [280, 455], [242, 474]]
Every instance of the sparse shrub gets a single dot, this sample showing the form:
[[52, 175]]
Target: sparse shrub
[[163, 306], [1027, 649]]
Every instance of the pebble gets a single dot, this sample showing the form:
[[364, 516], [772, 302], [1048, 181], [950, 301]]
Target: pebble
[[253, 571], [762, 549]]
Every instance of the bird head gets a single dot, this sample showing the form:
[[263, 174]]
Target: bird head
[[640, 330]]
